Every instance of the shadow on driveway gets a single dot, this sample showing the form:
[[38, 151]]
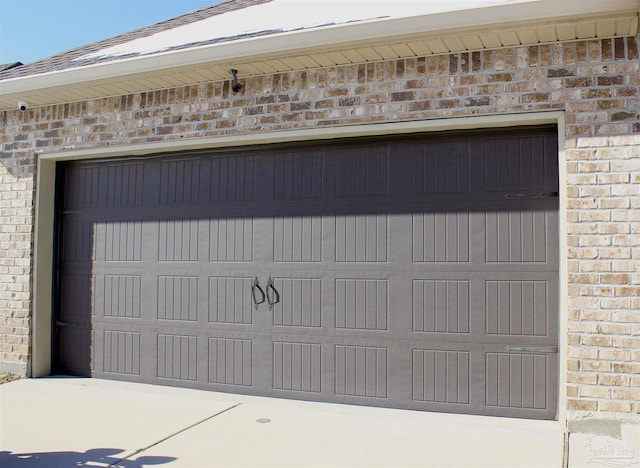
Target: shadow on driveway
[[94, 457]]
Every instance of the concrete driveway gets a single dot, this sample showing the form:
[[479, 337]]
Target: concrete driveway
[[70, 422]]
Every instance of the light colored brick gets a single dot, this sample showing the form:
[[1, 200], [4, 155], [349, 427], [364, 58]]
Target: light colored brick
[[627, 342], [624, 265], [627, 368], [613, 228], [614, 406], [582, 404], [595, 366], [613, 203], [626, 166], [614, 329], [614, 380], [594, 241], [626, 240], [594, 391], [626, 317], [613, 354], [618, 303], [626, 394], [614, 252], [596, 340], [582, 378], [583, 352], [615, 278]]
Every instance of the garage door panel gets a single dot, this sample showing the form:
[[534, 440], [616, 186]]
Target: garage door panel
[[520, 236], [230, 300], [77, 303], [441, 376], [177, 298], [517, 307], [83, 187], [180, 181], [232, 178], [298, 175], [297, 239], [105, 185], [230, 361], [297, 366], [517, 163], [121, 296], [231, 240], [495, 383], [121, 352], [199, 180], [76, 350], [119, 241], [124, 184], [361, 304], [441, 167], [361, 371], [441, 237], [441, 306], [521, 382], [361, 238], [406, 272], [521, 305], [360, 171], [177, 240], [300, 303], [177, 356], [78, 244]]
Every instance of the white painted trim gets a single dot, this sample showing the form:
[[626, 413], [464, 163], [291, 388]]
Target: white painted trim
[[563, 303], [43, 256], [518, 14], [43, 252]]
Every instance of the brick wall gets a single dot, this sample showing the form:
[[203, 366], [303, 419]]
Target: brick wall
[[597, 83], [16, 227]]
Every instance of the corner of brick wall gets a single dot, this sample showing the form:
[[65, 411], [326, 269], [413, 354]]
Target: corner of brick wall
[[16, 239]]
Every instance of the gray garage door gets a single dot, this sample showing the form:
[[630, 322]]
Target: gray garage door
[[419, 273]]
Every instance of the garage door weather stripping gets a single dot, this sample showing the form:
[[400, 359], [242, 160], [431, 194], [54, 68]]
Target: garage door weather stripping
[[418, 272]]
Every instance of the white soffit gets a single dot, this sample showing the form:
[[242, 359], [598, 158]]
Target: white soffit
[[384, 33]]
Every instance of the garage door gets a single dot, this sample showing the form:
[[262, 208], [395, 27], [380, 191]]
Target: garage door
[[416, 273]]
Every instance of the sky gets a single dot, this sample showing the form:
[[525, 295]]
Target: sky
[[35, 29]]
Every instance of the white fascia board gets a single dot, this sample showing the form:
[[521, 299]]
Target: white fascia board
[[299, 41]]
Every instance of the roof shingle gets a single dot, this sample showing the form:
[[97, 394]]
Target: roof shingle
[[9, 66], [69, 59]]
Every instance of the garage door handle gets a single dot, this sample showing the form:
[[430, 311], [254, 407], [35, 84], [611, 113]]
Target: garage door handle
[[255, 287], [270, 297]]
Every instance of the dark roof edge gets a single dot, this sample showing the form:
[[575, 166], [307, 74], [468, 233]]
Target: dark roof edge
[[10, 66]]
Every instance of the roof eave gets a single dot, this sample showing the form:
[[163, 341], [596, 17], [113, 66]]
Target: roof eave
[[334, 36]]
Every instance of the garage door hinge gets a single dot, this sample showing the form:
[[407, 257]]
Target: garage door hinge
[[534, 349], [531, 195], [71, 324]]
